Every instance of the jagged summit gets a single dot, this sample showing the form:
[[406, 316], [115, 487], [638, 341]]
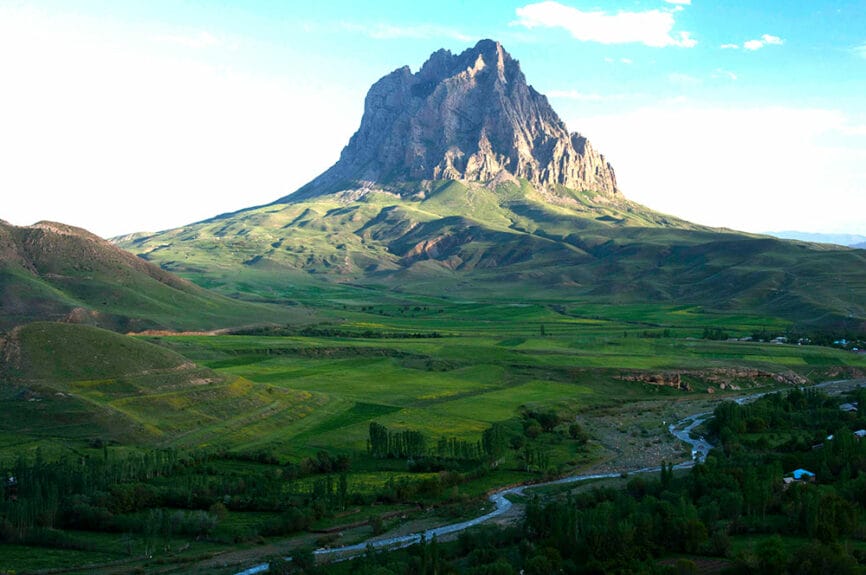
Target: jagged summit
[[469, 116]]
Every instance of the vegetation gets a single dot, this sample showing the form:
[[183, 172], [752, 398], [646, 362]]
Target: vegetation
[[373, 361], [735, 506], [515, 243], [183, 446], [60, 273]]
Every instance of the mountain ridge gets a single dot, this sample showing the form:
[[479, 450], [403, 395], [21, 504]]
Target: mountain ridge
[[848, 240]]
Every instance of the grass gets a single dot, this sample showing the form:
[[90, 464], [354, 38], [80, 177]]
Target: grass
[[537, 306], [511, 243], [133, 392], [292, 396], [493, 363], [296, 395], [55, 275], [23, 558]]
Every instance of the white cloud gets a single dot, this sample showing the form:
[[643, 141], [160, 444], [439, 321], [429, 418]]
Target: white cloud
[[750, 168], [860, 51], [652, 28], [385, 31], [626, 61], [766, 40], [730, 46]]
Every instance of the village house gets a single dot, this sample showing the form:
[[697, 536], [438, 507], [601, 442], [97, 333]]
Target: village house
[[798, 476]]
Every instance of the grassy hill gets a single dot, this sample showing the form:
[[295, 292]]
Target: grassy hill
[[56, 272], [509, 240], [69, 384]]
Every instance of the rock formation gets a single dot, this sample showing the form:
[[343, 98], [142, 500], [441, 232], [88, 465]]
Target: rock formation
[[470, 116]]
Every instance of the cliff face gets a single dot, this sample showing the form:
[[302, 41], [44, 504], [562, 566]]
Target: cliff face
[[470, 116]]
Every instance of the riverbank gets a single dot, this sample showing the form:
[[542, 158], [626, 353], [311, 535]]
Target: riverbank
[[626, 458]]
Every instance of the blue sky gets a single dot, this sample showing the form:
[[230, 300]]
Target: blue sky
[[126, 116]]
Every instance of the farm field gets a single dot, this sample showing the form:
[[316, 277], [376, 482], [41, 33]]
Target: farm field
[[269, 432], [475, 364]]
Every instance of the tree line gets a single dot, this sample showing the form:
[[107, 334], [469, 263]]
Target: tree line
[[738, 493]]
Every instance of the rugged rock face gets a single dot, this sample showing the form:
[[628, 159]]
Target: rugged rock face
[[470, 116]]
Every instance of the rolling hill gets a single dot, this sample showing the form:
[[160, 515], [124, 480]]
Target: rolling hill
[[56, 272]]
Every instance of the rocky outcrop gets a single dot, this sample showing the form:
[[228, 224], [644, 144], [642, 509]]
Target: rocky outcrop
[[725, 378], [470, 116], [666, 379]]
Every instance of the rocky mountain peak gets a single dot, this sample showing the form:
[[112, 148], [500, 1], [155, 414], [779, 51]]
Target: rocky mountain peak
[[468, 116], [486, 55]]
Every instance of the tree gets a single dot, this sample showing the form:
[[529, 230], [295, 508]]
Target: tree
[[494, 440], [304, 559], [577, 433], [772, 558], [377, 444]]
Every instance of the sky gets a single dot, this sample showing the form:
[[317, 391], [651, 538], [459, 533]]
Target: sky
[[121, 116]]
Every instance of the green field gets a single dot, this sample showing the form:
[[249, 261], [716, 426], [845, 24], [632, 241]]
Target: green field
[[471, 365], [262, 408]]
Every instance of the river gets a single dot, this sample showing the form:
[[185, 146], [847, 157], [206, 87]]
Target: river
[[682, 430]]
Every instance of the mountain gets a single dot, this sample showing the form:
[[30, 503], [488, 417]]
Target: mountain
[[52, 271], [860, 246], [850, 240], [461, 181], [470, 116]]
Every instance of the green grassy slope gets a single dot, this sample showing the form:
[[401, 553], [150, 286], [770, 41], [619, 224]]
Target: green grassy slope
[[441, 238], [74, 383], [56, 272]]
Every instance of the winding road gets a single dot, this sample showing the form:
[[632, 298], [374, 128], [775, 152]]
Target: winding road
[[501, 504]]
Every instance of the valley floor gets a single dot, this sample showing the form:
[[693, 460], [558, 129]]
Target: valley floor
[[276, 450]]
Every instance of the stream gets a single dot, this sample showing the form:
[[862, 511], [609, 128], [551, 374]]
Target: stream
[[682, 430]]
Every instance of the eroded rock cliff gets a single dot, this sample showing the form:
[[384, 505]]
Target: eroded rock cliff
[[470, 116]]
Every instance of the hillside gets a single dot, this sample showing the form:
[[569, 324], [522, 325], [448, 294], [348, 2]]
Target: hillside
[[512, 243], [56, 272], [127, 391], [463, 181]]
